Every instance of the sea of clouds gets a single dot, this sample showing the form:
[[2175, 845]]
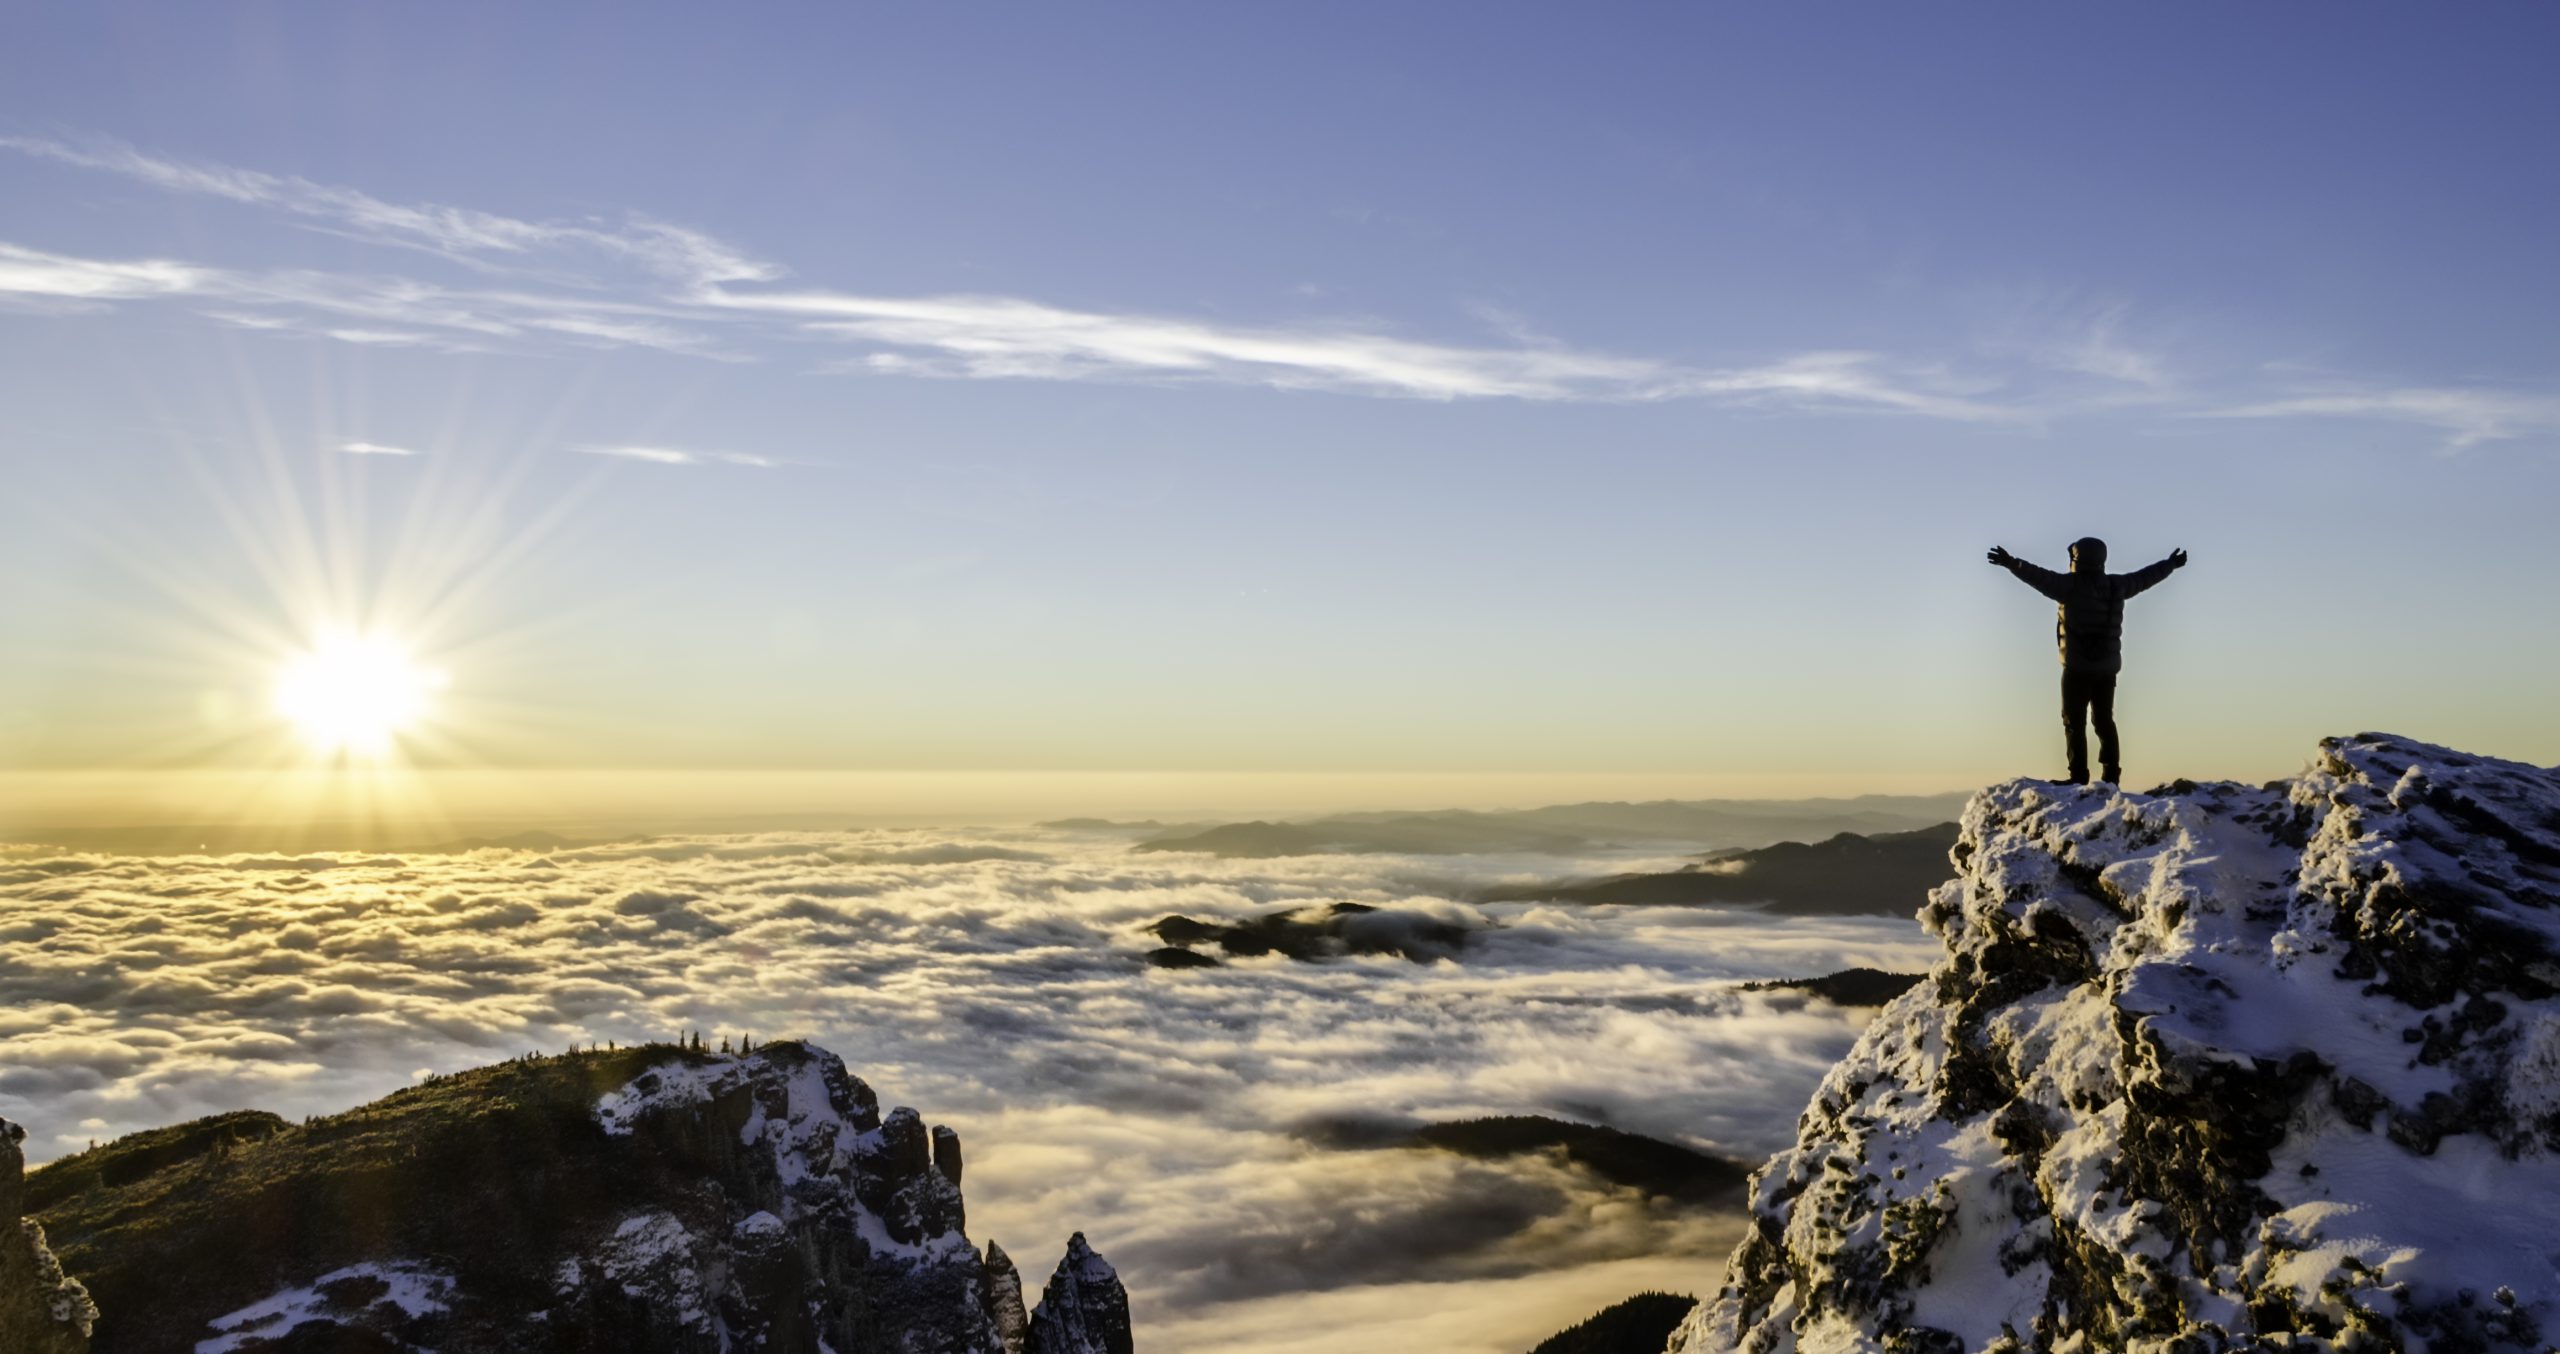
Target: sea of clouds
[[995, 980]]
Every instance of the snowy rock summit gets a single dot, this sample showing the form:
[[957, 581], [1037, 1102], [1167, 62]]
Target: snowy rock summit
[[659, 1200], [2215, 1068]]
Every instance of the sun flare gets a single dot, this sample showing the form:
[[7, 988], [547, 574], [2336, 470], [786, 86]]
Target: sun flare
[[355, 694]]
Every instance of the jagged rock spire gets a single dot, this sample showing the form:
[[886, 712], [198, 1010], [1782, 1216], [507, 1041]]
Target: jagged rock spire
[[1004, 1300], [1084, 1310]]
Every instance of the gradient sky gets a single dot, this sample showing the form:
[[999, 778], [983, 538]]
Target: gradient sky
[[1311, 388]]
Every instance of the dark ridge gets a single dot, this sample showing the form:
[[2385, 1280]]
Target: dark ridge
[[1174, 956], [1315, 934], [1563, 828], [1244, 840], [1847, 875], [1181, 930], [1355, 1133], [508, 1152], [1848, 987], [130, 1158], [1640, 1325], [1617, 1156]]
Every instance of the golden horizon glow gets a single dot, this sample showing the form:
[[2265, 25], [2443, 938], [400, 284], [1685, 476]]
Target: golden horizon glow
[[355, 695]]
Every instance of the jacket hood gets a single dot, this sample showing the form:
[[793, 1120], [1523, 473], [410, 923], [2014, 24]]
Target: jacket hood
[[2088, 556]]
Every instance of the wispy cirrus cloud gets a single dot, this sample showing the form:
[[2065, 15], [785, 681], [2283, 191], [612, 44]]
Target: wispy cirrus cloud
[[375, 449], [690, 282], [677, 456], [2468, 416], [1854, 379], [33, 272], [459, 233], [389, 337], [639, 283], [1003, 337]]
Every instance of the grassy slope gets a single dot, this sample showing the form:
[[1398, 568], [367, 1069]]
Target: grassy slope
[[475, 1172]]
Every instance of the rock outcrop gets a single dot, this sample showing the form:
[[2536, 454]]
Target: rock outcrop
[[1314, 934], [1084, 1310], [41, 1311], [2214, 1068], [1004, 1300], [658, 1200]]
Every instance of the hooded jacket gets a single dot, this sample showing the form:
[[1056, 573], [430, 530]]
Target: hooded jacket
[[2088, 626]]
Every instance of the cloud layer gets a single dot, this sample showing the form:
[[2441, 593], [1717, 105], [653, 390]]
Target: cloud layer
[[994, 981]]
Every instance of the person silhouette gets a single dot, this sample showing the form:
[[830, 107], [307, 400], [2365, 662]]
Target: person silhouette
[[2088, 628]]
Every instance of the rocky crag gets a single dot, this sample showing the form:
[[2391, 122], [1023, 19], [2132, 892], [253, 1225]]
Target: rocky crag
[[656, 1200], [41, 1312], [1084, 1307], [2214, 1068]]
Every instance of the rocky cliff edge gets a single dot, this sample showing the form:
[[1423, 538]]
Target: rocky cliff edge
[[2214, 1068]]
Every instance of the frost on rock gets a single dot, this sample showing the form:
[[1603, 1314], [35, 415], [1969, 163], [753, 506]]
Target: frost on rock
[[2215, 1068]]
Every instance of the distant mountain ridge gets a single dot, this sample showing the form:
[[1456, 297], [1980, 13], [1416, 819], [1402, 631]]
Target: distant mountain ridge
[[1889, 874], [1566, 829]]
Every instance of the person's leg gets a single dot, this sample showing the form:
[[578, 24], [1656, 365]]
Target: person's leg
[[2102, 711], [2075, 736]]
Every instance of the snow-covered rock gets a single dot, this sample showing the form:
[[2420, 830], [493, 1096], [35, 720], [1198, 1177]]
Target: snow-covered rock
[[2215, 1068], [1084, 1310], [41, 1311], [648, 1201]]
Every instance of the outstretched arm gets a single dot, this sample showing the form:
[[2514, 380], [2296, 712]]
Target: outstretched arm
[[2045, 581], [2150, 575]]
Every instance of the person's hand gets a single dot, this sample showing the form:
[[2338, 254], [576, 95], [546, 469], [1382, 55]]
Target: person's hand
[[2004, 559], [2178, 558]]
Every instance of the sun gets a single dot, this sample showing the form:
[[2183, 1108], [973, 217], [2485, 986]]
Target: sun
[[355, 694]]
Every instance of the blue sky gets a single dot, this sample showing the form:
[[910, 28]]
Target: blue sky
[[1302, 388]]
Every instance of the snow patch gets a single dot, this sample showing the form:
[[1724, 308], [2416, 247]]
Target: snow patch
[[341, 1296]]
